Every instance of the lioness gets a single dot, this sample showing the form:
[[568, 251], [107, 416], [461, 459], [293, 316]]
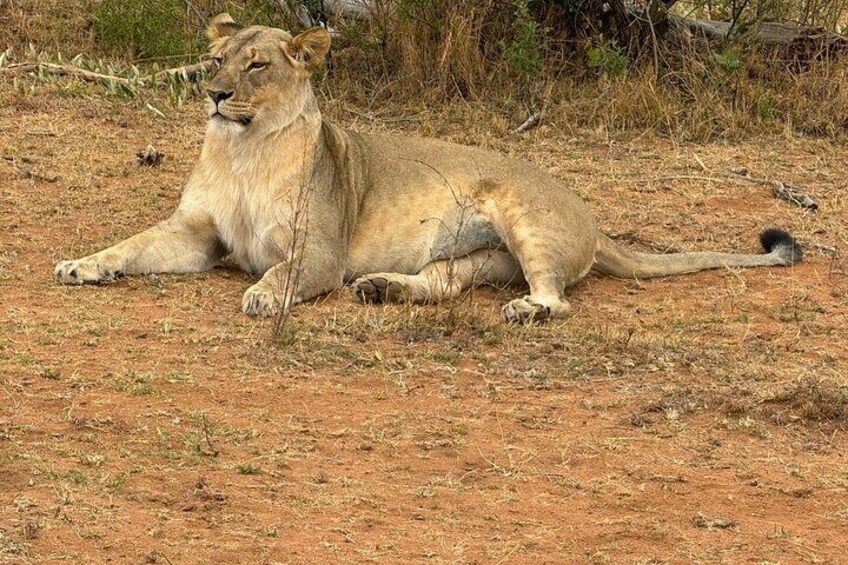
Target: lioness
[[308, 205]]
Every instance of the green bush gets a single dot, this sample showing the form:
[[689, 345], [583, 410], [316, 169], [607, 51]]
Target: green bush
[[145, 29], [729, 61], [525, 50], [174, 28], [608, 59]]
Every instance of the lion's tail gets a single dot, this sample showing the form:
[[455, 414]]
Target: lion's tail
[[612, 259]]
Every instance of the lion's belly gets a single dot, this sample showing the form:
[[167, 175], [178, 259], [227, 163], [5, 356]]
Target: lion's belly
[[403, 238]]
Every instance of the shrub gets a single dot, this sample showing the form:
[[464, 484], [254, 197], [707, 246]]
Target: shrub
[[174, 28], [524, 52], [143, 28], [608, 58]]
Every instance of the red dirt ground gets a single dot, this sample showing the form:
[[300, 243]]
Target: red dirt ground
[[699, 419]]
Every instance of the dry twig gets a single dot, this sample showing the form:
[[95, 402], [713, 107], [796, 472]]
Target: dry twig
[[633, 238]]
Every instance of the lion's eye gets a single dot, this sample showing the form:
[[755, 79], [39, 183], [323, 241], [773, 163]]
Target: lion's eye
[[256, 66]]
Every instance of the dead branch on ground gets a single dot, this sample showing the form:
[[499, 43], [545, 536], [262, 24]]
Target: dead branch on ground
[[186, 72], [66, 70], [781, 189], [795, 43], [534, 120]]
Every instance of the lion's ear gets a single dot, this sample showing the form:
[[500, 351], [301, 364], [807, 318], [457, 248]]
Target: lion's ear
[[308, 49], [221, 27]]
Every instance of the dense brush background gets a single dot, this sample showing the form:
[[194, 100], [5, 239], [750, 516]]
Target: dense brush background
[[511, 57]]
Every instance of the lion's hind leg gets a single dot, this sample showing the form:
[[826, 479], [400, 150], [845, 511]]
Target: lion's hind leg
[[440, 280], [550, 234]]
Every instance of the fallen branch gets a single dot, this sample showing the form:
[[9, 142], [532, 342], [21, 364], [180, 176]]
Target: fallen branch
[[65, 70], [534, 120], [780, 189], [675, 177], [773, 34], [186, 72], [799, 42]]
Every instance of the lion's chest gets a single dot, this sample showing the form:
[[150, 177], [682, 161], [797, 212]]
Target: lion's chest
[[247, 211]]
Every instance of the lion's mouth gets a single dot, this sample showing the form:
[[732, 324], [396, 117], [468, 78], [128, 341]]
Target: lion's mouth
[[244, 120]]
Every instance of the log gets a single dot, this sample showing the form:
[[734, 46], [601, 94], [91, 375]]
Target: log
[[798, 42]]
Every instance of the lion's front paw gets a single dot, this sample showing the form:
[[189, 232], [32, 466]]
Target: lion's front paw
[[259, 300], [377, 288], [524, 311], [84, 271]]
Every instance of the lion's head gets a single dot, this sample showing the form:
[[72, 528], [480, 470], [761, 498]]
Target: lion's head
[[260, 76]]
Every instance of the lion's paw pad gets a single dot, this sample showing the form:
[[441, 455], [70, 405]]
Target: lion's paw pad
[[374, 289]]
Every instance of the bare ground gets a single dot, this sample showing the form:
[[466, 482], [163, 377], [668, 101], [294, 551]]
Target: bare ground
[[699, 419]]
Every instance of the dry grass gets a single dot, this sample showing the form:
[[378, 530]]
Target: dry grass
[[150, 420], [427, 53]]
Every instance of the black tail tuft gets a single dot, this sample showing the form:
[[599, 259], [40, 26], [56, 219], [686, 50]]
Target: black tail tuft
[[778, 241]]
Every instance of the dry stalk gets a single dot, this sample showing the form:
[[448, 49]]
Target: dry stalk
[[465, 297], [288, 279]]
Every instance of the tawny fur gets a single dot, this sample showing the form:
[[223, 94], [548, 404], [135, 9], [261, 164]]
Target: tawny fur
[[307, 205]]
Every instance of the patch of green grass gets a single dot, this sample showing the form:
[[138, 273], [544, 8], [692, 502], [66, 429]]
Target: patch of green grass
[[77, 478], [116, 483], [447, 357], [248, 469], [146, 29], [50, 373], [136, 384]]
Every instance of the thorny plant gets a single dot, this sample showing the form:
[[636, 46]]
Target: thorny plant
[[296, 222], [464, 298], [466, 211]]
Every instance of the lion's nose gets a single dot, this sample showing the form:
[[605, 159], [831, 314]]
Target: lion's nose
[[219, 96]]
